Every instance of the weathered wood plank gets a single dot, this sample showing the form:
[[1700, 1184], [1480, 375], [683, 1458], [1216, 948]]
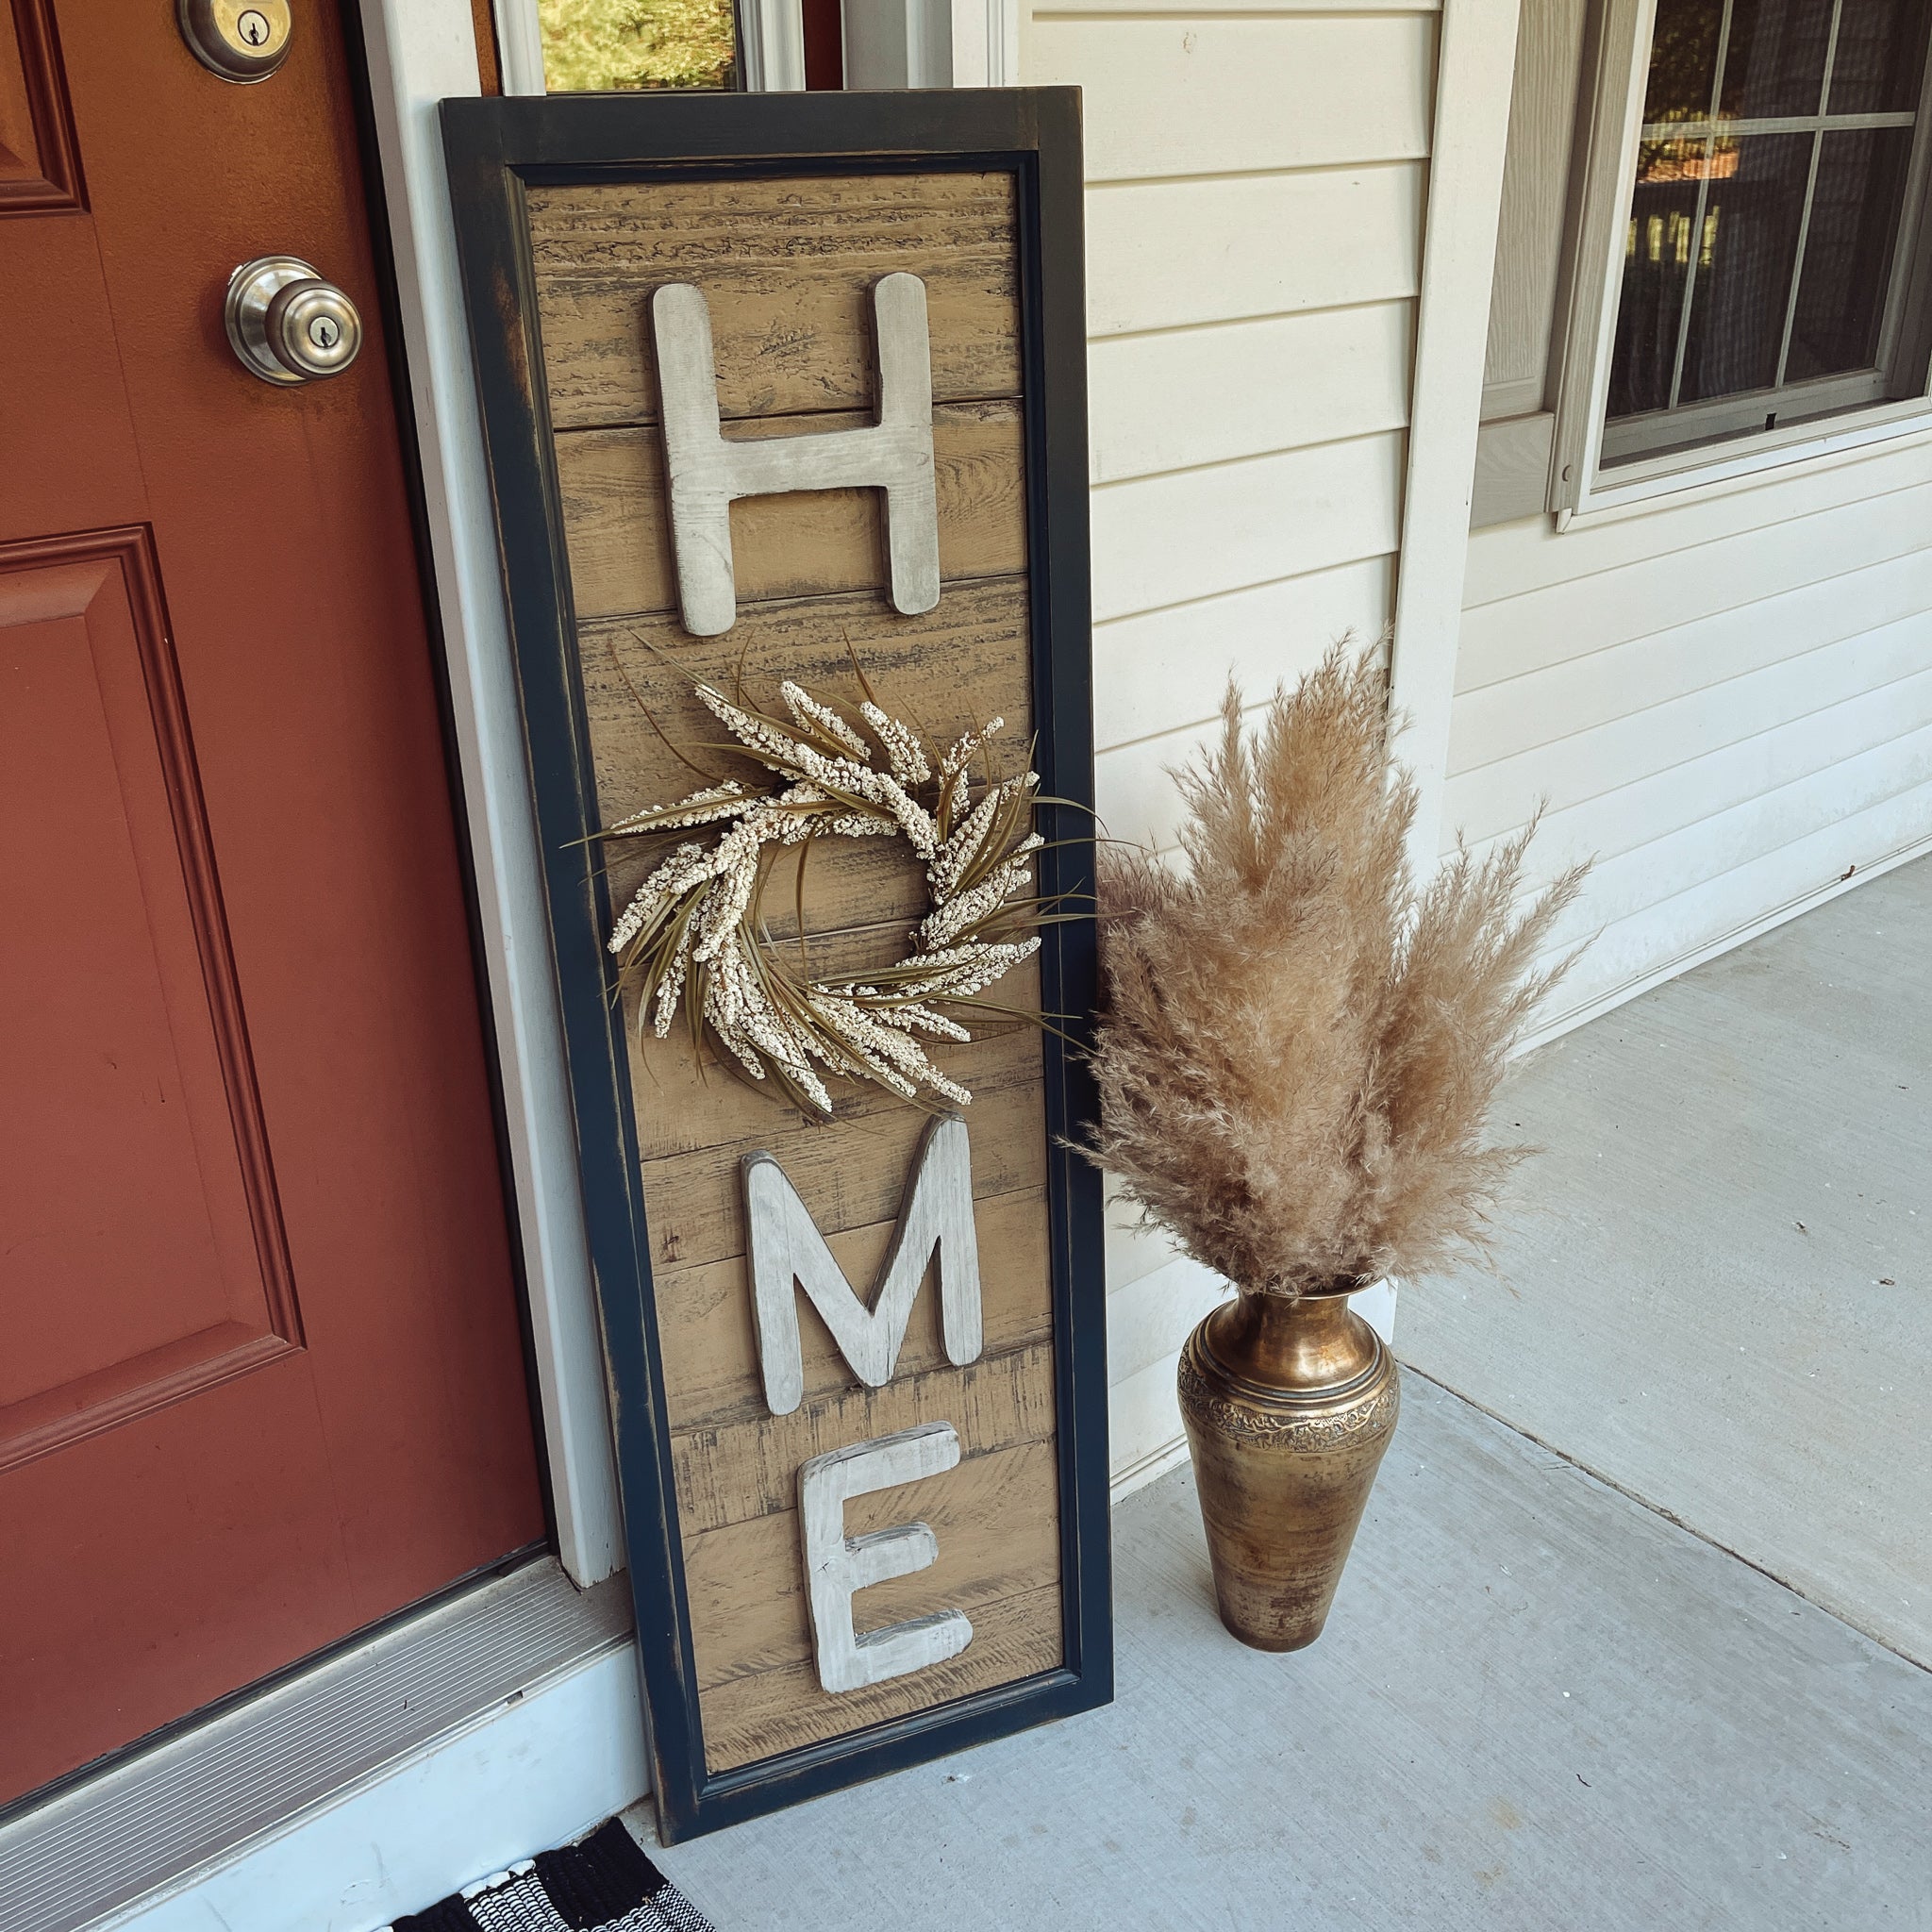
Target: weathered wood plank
[[787, 278], [787, 274], [618, 525], [719, 1108], [731, 1473], [709, 1340], [945, 671], [983, 1556], [997, 1521], [851, 1174], [783, 1708]]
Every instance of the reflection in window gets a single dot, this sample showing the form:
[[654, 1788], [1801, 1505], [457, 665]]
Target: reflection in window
[[1762, 236], [595, 45]]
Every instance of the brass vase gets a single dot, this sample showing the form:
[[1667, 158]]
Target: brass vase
[[1288, 1406]]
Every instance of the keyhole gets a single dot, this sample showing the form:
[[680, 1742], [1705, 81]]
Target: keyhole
[[254, 28], [323, 332]]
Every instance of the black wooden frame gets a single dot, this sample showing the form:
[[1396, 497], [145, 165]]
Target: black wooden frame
[[494, 148]]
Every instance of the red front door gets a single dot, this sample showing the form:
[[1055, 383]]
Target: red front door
[[261, 1372]]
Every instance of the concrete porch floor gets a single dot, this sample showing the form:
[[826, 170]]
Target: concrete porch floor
[[1539, 1703], [1719, 1291]]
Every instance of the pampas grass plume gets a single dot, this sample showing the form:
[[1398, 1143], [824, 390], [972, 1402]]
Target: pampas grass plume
[[1299, 1050]]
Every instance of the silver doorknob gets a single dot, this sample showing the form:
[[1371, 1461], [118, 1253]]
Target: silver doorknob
[[286, 324]]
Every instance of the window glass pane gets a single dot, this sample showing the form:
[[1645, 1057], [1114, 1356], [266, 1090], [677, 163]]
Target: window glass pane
[[1744, 282], [1775, 62], [1717, 318], [1855, 206], [594, 45], [1656, 266], [1880, 56], [1683, 59]]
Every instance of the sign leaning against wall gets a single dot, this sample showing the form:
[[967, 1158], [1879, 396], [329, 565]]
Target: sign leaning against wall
[[785, 410]]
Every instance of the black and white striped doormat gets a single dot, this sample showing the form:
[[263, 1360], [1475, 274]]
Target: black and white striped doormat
[[602, 1883]]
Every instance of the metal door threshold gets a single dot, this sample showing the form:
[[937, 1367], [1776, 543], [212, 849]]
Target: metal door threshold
[[152, 1820]]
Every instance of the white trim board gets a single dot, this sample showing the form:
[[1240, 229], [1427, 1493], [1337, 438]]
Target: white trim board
[[420, 51], [519, 46], [1846, 439], [533, 1775], [1475, 66], [144, 1825]]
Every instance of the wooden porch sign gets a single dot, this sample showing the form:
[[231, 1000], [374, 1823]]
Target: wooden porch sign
[[791, 389]]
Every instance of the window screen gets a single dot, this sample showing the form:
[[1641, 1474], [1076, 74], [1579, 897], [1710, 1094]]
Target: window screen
[[1761, 272]]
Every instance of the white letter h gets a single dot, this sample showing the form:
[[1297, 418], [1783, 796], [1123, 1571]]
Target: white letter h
[[708, 473]]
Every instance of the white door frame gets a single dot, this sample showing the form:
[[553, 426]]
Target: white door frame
[[1476, 65], [419, 51]]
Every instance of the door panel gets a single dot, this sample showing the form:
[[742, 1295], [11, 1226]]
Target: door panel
[[162, 1248], [263, 1378], [40, 165]]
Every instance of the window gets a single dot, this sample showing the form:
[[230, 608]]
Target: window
[[1763, 282], [761, 46], [1715, 244], [590, 45]]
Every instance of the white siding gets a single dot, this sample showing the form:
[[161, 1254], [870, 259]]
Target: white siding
[[1255, 210], [1728, 703]]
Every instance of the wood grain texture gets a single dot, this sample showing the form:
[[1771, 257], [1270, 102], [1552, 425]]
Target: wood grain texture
[[494, 157], [935, 1240], [852, 1172], [786, 277], [636, 667], [708, 471], [996, 1518], [1015, 1637], [787, 269], [616, 516], [732, 1473], [709, 1345]]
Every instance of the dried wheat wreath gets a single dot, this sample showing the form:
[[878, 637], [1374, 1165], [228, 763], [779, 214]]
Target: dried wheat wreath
[[691, 934]]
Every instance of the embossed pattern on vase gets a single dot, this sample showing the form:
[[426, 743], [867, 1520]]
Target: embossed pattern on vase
[[1289, 1405]]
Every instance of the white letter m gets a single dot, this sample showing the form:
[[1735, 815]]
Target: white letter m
[[788, 1248]]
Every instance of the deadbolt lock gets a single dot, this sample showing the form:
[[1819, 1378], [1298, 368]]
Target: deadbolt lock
[[240, 40], [286, 324]]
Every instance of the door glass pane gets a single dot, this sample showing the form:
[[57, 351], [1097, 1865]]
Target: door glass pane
[[1855, 206], [1881, 55], [1656, 266], [596, 45], [1683, 59], [1749, 243], [1775, 63]]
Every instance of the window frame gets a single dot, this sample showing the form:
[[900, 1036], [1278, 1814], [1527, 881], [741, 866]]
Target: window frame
[[982, 48], [1865, 406]]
